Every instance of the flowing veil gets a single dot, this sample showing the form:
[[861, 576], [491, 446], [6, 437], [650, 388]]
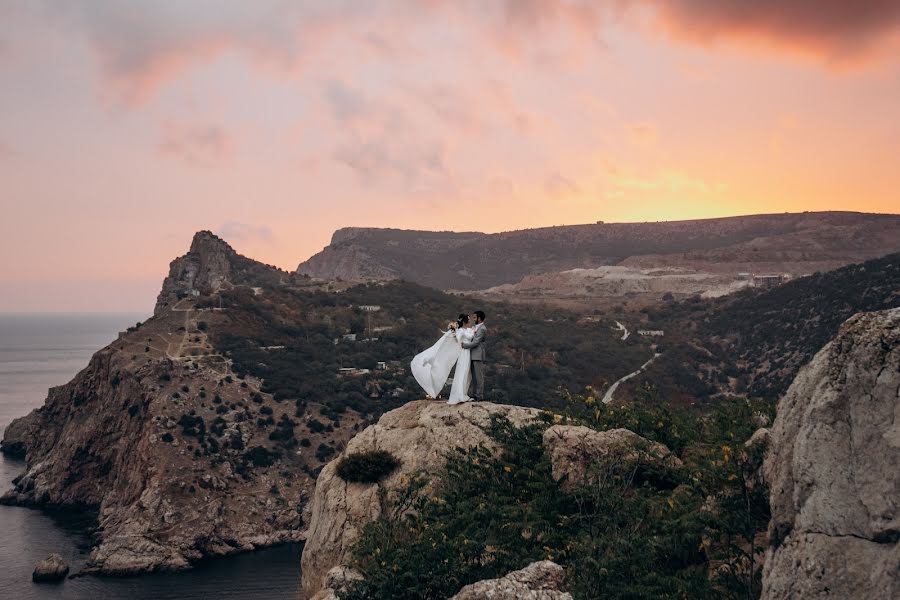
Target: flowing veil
[[432, 367]]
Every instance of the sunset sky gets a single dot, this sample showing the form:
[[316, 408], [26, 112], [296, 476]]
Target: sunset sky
[[127, 126]]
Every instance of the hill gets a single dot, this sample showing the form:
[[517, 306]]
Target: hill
[[755, 341], [797, 243]]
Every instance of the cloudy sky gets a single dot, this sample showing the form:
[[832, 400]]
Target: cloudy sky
[[127, 126]]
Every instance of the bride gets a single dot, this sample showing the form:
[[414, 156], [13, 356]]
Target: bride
[[431, 368]]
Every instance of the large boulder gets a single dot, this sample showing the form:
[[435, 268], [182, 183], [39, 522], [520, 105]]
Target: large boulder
[[418, 434], [538, 581], [832, 468], [51, 569], [575, 451]]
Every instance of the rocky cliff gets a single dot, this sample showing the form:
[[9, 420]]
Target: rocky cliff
[[176, 455], [164, 451], [832, 470], [418, 434], [796, 243]]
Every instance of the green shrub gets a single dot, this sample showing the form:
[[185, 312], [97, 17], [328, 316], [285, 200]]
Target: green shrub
[[367, 467], [625, 536]]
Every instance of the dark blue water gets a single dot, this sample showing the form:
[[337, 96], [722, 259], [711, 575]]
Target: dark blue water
[[39, 351]]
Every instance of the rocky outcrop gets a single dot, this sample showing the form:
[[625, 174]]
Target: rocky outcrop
[[16, 435], [832, 470], [538, 581], [51, 569], [418, 434], [575, 452], [337, 580], [204, 269], [156, 442]]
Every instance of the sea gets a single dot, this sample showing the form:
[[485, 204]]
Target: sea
[[38, 351]]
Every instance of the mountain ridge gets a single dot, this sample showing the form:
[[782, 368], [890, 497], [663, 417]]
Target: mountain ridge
[[805, 242]]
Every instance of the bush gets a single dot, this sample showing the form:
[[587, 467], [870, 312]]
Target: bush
[[324, 452], [367, 467], [622, 537], [192, 425], [261, 457]]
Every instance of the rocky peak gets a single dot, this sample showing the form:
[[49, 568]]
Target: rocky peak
[[204, 269], [206, 243]]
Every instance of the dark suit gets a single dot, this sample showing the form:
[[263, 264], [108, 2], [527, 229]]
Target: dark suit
[[477, 348]]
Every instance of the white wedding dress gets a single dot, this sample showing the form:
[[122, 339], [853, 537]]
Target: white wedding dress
[[431, 368]]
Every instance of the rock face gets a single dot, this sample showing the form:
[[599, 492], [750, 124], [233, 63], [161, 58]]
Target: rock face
[[51, 569], [16, 435], [575, 449], [161, 441], [418, 434], [205, 268], [538, 581], [833, 470]]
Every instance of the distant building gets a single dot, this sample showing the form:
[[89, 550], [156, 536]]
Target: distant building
[[766, 281], [381, 365], [353, 371], [743, 275], [651, 332], [369, 307], [349, 337]]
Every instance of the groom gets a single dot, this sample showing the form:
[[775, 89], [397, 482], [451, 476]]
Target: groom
[[477, 345]]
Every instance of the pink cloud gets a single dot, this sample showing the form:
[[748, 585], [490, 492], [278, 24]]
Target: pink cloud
[[142, 45], [197, 145]]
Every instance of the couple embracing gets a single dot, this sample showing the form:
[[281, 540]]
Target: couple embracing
[[462, 345]]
